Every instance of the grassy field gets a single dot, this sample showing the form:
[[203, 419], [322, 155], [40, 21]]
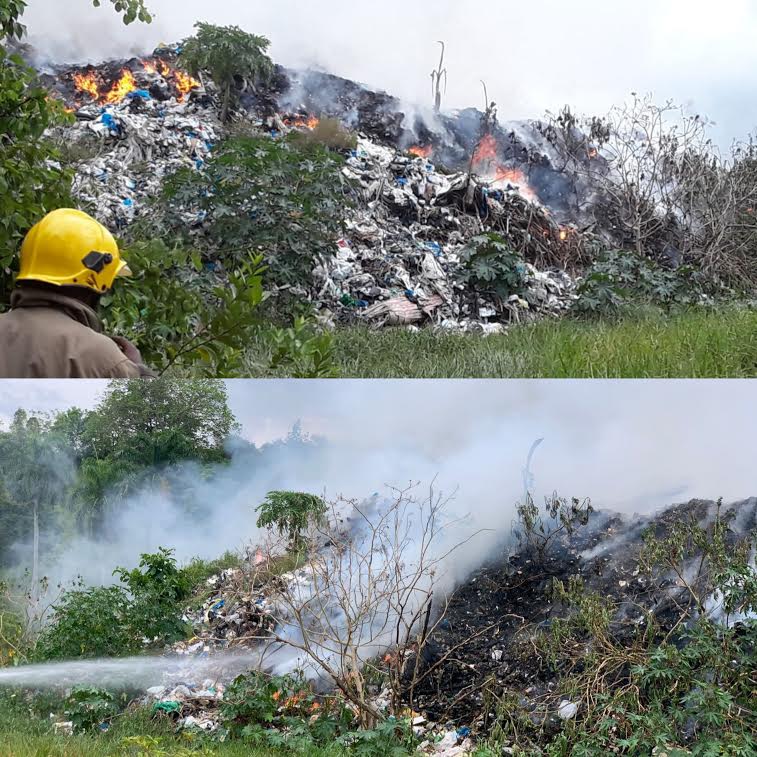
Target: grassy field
[[695, 344], [131, 735]]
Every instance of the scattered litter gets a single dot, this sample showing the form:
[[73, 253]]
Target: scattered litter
[[567, 710]]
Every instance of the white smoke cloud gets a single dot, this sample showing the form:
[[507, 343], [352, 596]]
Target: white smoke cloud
[[629, 446], [534, 56]]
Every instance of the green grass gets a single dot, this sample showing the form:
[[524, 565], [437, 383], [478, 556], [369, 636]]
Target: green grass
[[692, 344], [23, 734]]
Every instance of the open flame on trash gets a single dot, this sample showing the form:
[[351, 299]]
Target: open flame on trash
[[486, 162], [421, 152], [300, 122], [184, 84], [92, 85], [127, 83]]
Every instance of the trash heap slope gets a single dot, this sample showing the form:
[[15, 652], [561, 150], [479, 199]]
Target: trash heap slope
[[416, 207]]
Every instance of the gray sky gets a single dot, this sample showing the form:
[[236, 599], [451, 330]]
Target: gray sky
[[535, 56], [617, 441]]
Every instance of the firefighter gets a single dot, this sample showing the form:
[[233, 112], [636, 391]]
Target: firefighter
[[68, 261]]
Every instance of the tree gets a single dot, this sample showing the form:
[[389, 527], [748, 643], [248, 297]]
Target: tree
[[162, 422], [291, 513], [35, 479], [228, 54], [281, 198]]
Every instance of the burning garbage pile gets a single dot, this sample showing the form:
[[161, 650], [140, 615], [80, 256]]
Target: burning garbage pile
[[136, 125], [425, 186]]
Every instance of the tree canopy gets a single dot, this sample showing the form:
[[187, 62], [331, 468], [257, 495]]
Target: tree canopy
[[227, 53], [66, 471]]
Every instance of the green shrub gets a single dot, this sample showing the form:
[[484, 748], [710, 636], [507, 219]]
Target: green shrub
[[87, 708], [621, 278], [114, 621], [290, 512], [302, 351], [184, 317], [157, 589], [491, 266], [282, 198], [90, 623], [283, 712]]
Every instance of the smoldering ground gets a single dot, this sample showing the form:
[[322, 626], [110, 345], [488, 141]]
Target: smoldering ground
[[534, 56], [632, 447]]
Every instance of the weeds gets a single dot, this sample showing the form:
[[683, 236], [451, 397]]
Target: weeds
[[683, 685], [696, 343]]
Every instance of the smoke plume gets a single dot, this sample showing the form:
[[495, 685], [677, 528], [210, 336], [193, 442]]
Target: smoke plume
[[534, 56], [632, 447]]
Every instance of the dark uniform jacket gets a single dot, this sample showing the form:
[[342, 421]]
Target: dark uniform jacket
[[47, 334]]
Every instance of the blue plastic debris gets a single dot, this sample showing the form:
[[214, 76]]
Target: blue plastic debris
[[109, 121], [463, 732], [143, 93], [410, 294], [361, 303], [199, 163], [218, 605], [128, 202], [435, 247], [445, 625], [401, 181]]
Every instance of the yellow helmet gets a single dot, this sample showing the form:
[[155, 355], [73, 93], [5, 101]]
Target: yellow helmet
[[70, 248]]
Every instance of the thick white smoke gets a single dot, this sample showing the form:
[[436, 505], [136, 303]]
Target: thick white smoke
[[630, 446], [534, 56]]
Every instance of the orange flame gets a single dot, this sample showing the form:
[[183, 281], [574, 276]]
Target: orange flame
[[486, 151], [486, 162], [309, 123], [149, 67], [563, 235], [88, 84], [127, 83], [421, 152], [184, 84]]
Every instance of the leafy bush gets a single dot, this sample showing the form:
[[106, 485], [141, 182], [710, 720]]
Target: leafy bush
[[114, 621], [280, 197], [302, 351], [491, 266], [88, 707], [620, 278], [282, 712], [90, 623], [157, 589], [184, 317], [290, 512]]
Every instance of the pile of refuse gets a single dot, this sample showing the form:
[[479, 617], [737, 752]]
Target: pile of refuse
[[399, 263], [136, 144], [482, 648]]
